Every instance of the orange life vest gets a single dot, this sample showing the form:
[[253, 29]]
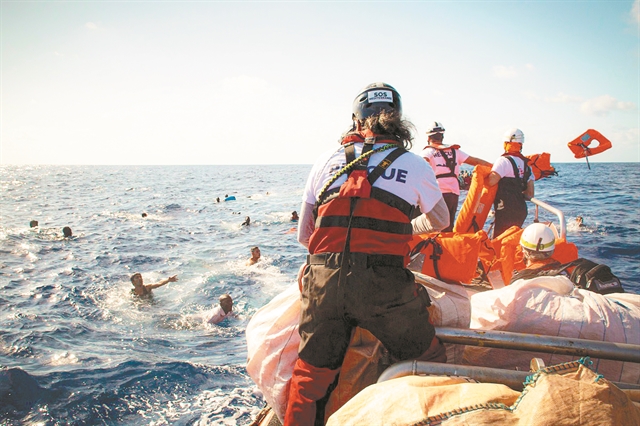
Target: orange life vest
[[580, 146], [477, 205], [541, 165], [370, 219], [450, 256]]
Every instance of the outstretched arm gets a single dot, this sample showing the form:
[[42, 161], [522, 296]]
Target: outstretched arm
[[493, 179], [171, 279], [474, 161]]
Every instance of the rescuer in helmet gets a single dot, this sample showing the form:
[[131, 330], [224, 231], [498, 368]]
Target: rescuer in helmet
[[538, 242], [445, 161], [515, 183], [356, 221]]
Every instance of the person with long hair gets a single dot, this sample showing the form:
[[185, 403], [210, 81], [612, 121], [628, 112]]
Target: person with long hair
[[361, 204]]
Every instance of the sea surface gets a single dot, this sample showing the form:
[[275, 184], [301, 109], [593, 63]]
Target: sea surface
[[77, 348]]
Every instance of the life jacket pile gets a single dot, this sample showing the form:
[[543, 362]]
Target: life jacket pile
[[360, 218]]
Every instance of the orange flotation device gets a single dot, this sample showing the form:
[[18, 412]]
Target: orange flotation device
[[475, 209], [541, 165], [581, 148], [509, 257], [450, 256]]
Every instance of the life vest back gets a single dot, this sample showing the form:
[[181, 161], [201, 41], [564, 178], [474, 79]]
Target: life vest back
[[581, 148], [475, 209], [448, 153], [371, 220]]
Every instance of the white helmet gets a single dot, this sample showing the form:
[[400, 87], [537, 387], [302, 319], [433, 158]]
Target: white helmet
[[538, 237], [514, 135], [436, 127]]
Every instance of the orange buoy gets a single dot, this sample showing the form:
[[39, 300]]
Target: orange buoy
[[581, 146]]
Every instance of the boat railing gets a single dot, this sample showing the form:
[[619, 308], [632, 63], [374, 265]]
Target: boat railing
[[515, 341], [551, 209]]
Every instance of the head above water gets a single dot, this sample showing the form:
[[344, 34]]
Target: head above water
[[66, 231], [33, 223], [226, 302], [136, 278], [255, 251]]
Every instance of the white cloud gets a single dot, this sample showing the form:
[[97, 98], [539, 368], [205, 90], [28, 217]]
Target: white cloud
[[603, 105], [501, 71], [635, 12], [91, 26], [563, 98]]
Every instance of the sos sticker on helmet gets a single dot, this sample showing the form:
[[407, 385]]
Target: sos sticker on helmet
[[380, 96]]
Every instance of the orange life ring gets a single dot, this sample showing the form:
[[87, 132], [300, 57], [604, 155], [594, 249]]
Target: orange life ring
[[475, 209], [580, 145]]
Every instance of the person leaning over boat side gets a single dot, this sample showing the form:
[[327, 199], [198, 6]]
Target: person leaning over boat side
[[445, 161], [356, 223], [515, 183], [142, 289], [538, 243]]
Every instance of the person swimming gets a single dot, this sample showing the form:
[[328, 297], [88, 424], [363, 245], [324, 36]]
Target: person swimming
[[142, 289], [66, 231], [255, 256]]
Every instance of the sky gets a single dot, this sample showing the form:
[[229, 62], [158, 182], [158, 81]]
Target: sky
[[272, 82]]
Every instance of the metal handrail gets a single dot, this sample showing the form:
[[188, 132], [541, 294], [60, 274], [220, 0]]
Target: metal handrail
[[551, 209], [516, 341], [540, 343], [512, 378]]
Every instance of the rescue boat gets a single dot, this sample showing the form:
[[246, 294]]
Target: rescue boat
[[533, 352]]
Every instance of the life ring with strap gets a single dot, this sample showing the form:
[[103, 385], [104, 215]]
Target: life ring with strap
[[581, 146]]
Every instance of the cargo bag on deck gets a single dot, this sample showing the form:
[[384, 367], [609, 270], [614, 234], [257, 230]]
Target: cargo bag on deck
[[565, 394], [553, 306]]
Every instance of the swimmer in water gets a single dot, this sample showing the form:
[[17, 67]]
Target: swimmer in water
[[66, 231], [255, 256], [141, 289], [222, 311], [580, 221]]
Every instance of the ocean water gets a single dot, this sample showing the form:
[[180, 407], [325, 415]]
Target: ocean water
[[77, 348]]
